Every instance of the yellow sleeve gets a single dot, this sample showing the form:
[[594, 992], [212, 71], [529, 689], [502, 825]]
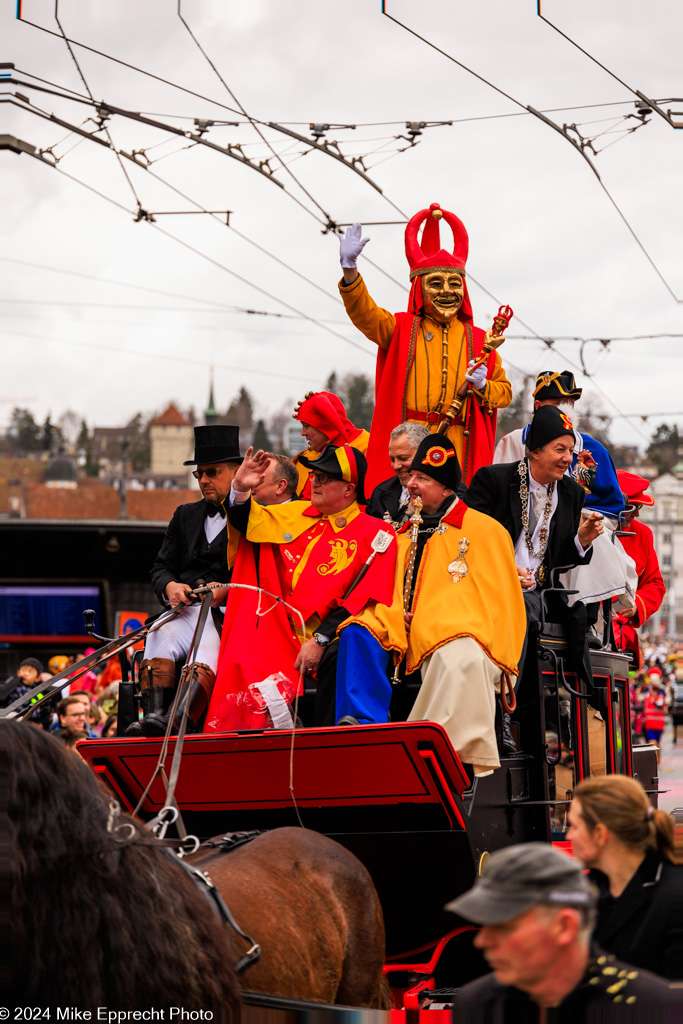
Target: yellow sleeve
[[375, 323], [497, 391]]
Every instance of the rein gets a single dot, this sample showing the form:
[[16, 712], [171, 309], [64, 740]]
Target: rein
[[207, 886]]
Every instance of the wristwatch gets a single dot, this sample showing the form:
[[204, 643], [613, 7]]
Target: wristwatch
[[321, 639]]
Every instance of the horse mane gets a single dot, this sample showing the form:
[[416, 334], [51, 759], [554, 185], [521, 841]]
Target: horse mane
[[98, 917]]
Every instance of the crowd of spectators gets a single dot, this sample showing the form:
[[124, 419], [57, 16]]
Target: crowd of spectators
[[81, 707]]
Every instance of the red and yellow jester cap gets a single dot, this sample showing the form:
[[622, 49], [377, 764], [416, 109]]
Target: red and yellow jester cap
[[427, 256]]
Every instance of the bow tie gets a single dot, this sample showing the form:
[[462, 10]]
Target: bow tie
[[212, 509]]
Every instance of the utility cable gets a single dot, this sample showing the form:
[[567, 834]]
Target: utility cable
[[151, 355], [210, 259], [104, 127]]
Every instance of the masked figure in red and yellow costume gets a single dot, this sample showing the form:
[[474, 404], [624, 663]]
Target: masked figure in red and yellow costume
[[323, 420], [309, 555], [426, 354]]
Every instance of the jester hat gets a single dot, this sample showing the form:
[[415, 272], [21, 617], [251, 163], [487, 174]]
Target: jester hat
[[427, 256], [342, 463], [436, 457], [326, 412]]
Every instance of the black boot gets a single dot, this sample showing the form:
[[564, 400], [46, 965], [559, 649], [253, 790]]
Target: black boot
[[135, 728], [154, 724], [157, 680]]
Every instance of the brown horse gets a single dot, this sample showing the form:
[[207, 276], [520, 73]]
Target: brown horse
[[102, 915], [312, 907]]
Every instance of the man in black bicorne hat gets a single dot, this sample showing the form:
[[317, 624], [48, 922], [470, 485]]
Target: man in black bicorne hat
[[194, 551]]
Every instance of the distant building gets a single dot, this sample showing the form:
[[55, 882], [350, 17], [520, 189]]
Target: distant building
[[211, 417], [292, 441], [172, 443]]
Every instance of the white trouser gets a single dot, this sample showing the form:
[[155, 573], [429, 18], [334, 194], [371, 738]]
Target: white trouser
[[173, 640], [458, 691]]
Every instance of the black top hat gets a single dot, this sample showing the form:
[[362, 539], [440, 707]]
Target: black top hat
[[217, 443], [550, 384], [436, 457]]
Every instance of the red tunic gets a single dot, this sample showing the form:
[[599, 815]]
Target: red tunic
[[651, 588], [309, 561]]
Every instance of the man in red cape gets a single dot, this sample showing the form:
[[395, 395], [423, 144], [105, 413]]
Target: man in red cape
[[641, 548], [426, 354], [309, 555]]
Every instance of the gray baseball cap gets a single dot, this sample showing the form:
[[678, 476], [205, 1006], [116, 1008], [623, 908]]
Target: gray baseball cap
[[521, 877]]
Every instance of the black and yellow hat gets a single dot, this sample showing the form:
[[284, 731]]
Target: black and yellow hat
[[550, 384], [436, 457]]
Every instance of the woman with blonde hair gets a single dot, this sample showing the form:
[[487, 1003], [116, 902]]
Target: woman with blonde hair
[[629, 848]]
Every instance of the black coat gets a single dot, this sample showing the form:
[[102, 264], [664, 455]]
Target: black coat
[[185, 555], [494, 490], [385, 498], [487, 1001], [644, 926]]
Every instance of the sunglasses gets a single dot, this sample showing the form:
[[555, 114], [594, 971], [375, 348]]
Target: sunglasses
[[322, 478], [211, 472]]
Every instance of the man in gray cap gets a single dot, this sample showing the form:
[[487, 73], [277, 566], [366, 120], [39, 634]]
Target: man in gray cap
[[536, 909]]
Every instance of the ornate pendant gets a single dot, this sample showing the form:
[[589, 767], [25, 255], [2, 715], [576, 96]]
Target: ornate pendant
[[540, 574], [458, 568]]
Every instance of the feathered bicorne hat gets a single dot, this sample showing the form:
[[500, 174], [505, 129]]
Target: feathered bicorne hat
[[427, 256]]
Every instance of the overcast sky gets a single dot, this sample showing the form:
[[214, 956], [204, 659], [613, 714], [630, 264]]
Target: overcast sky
[[544, 236]]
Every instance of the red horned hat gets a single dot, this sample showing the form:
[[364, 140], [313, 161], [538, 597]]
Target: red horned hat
[[427, 256]]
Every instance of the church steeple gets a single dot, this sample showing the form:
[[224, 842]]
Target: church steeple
[[211, 416]]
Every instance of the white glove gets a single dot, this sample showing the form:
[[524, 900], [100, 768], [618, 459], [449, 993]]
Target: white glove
[[351, 246], [476, 376]]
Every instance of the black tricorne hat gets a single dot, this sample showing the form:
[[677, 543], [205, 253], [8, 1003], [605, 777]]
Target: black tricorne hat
[[550, 384], [217, 443], [547, 424], [341, 463], [436, 457]]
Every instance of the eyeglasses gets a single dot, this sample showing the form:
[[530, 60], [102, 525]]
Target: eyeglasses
[[211, 472], [75, 714], [322, 478]]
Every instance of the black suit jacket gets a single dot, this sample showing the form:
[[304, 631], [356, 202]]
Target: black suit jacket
[[644, 926], [385, 498], [184, 554], [494, 490]]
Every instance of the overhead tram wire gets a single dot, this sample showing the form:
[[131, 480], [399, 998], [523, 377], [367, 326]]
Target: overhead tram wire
[[209, 259], [245, 238], [152, 355], [88, 90], [551, 124]]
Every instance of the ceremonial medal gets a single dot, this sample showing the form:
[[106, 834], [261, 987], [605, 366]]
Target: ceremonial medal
[[459, 568], [340, 521], [540, 574]]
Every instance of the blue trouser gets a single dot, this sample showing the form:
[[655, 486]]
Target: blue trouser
[[363, 687]]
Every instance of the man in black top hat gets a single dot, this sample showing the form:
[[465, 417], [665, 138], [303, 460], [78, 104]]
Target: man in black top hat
[[194, 550]]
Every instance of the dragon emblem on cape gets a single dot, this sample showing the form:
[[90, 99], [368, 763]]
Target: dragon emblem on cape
[[342, 553]]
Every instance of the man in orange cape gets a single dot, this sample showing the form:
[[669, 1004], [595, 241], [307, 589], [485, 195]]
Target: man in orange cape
[[461, 623], [309, 555], [426, 354]]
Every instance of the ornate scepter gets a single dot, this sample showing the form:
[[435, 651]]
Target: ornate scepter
[[415, 521], [493, 340]]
